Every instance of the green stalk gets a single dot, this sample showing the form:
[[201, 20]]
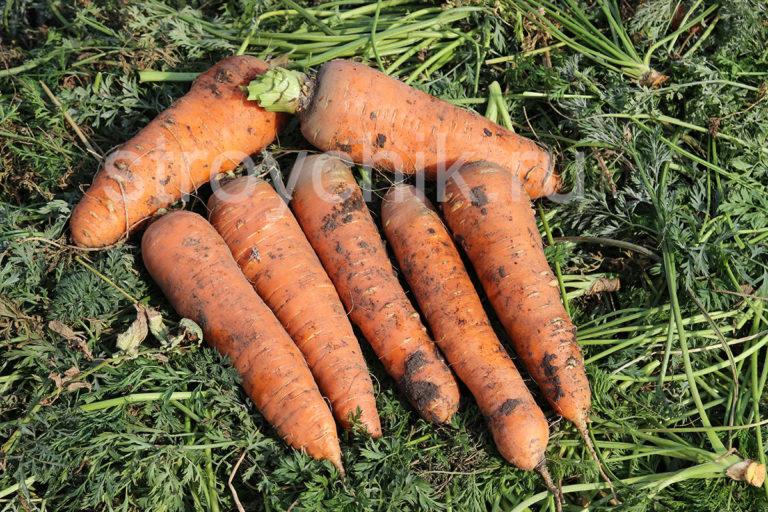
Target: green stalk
[[677, 122], [497, 96], [30, 64], [451, 16], [621, 244], [707, 470], [703, 38], [149, 75], [682, 28], [134, 398], [703, 371], [307, 15], [407, 55], [374, 27], [15, 487], [445, 51], [213, 497], [667, 354]]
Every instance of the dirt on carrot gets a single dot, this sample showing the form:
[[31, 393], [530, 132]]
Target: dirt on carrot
[[491, 216], [329, 206], [210, 130], [275, 256], [373, 119], [436, 274], [194, 268]]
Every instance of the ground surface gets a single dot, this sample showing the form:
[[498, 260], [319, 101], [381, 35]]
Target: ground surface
[[669, 199]]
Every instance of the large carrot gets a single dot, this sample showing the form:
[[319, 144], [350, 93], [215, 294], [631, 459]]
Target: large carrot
[[330, 209], [488, 211], [276, 257], [434, 270], [194, 268], [209, 130], [373, 119]]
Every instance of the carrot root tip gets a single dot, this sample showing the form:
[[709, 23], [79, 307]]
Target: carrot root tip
[[584, 431], [554, 489]]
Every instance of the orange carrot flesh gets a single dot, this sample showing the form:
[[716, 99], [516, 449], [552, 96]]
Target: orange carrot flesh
[[209, 130], [373, 119], [436, 275], [268, 244], [330, 208], [489, 213], [193, 267]]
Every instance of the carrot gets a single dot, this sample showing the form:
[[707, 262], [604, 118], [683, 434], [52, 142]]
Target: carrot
[[194, 268], [447, 297], [434, 270], [208, 131], [376, 120], [276, 257], [489, 214], [330, 209]]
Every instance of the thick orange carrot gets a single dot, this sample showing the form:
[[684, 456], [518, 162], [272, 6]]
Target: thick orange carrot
[[373, 119], [447, 297], [489, 213], [276, 257], [330, 209], [210, 130], [194, 268]]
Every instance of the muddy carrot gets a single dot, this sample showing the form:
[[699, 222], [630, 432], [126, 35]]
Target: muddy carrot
[[370, 118], [332, 213], [192, 265], [489, 213], [209, 130], [276, 257], [445, 293]]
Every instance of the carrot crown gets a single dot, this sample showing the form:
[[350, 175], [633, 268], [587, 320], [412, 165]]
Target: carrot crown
[[278, 90]]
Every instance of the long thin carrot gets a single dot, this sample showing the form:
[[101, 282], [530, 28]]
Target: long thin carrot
[[436, 275], [330, 208], [370, 118], [194, 268], [489, 213], [445, 293], [209, 130], [276, 257]]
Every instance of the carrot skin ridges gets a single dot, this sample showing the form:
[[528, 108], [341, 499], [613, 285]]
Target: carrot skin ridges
[[330, 208], [377, 120], [447, 298], [195, 270], [492, 218], [209, 130], [268, 244]]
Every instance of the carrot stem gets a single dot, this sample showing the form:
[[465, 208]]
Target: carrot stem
[[149, 75], [134, 399], [278, 90]]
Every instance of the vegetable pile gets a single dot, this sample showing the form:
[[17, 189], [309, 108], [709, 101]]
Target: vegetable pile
[[487, 207], [398, 271]]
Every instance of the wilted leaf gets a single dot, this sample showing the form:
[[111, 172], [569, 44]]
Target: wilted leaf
[[188, 332], [156, 325], [130, 340]]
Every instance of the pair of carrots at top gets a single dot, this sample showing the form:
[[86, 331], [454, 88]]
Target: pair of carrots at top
[[371, 119]]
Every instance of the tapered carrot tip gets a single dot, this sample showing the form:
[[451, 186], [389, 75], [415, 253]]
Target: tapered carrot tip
[[430, 387], [521, 436], [554, 489]]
